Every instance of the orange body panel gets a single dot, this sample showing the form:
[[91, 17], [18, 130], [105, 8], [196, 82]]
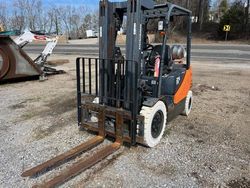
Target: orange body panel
[[184, 87]]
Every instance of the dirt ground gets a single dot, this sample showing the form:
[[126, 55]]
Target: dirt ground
[[210, 148]]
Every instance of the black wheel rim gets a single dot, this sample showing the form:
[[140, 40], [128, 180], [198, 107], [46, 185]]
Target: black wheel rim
[[157, 124]]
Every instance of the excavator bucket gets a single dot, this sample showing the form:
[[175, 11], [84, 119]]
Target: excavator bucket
[[15, 64]]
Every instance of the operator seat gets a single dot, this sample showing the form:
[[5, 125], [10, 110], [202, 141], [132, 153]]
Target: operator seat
[[157, 50]]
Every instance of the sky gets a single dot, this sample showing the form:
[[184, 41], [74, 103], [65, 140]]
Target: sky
[[91, 4], [88, 3]]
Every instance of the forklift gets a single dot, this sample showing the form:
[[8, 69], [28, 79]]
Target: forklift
[[151, 84], [129, 96]]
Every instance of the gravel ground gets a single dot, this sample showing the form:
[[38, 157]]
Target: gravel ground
[[210, 148]]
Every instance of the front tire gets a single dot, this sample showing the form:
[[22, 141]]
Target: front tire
[[154, 123], [188, 104]]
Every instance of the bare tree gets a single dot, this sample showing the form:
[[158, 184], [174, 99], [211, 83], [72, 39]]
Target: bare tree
[[31, 14], [54, 20], [3, 14], [57, 20], [17, 21], [30, 10], [65, 13], [72, 19], [95, 20]]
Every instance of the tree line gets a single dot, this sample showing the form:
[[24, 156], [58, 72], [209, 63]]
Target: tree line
[[237, 16], [34, 15], [208, 17]]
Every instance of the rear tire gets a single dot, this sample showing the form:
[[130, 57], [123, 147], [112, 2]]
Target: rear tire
[[154, 123], [188, 103], [4, 64]]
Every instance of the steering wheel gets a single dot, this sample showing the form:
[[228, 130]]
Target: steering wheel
[[149, 47]]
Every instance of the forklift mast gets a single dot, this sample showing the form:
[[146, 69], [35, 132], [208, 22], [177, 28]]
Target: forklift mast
[[111, 19]]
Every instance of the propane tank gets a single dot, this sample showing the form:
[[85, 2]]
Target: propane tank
[[178, 52]]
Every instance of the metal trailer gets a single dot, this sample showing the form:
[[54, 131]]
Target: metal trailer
[[16, 65], [131, 97]]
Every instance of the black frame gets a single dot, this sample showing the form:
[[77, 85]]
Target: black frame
[[166, 11]]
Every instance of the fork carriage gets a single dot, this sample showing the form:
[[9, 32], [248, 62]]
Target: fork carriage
[[105, 101]]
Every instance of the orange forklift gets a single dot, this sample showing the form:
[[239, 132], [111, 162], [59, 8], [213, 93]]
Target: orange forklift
[[147, 82]]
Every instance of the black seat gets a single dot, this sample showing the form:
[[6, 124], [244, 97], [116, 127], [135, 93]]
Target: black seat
[[157, 50]]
